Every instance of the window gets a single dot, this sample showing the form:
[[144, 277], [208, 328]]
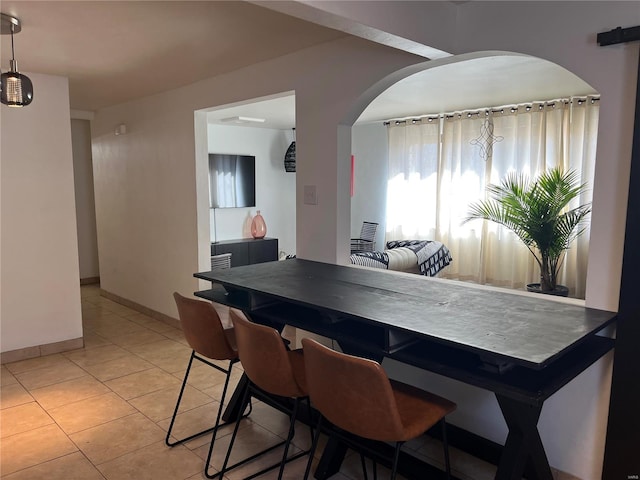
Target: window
[[439, 165]]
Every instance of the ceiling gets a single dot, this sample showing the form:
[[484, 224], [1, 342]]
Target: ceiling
[[278, 112], [491, 81], [115, 51]]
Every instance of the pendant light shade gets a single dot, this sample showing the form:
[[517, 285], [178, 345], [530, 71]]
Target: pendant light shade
[[16, 89], [290, 156]]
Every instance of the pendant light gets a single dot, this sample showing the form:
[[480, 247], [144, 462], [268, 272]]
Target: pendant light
[[16, 90], [290, 156]]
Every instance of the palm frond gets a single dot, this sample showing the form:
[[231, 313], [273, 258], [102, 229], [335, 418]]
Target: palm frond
[[536, 211]]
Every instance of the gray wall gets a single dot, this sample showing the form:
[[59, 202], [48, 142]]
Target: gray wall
[[40, 278], [85, 200], [369, 202]]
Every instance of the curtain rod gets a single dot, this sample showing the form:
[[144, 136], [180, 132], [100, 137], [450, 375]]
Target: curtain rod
[[493, 110]]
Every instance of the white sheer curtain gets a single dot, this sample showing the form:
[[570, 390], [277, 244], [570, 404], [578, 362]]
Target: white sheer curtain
[[438, 167]]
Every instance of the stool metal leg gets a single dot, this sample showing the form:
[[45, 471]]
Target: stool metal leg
[[364, 466], [310, 413], [396, 457], [286, 443], [292, 422], [314, 446], [182, 388], [220, 407], [245, 399], [233, 438], [175, 411]]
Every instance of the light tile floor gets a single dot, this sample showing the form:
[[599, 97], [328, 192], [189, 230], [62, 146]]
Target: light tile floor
[[101, 412]]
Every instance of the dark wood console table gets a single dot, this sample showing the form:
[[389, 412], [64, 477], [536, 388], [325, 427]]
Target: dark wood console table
[[247, 251], [523, 348]]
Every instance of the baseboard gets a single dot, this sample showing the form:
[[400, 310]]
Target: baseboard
[[76, 343], [141, 308], [89, 280], [41, 350]]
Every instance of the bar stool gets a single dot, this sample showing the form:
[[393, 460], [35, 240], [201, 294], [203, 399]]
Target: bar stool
[[355, 395], [209, 340], [272, 368]]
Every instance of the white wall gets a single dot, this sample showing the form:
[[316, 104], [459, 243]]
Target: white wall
[[85, 201], [611, 71], [150, 212], [152, 208], [145, 215], [573, 421], [275, 188], [369, 202], [40, 276]]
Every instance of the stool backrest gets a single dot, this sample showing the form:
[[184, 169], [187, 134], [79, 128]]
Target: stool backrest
[[264, 357], [203, 329], [353, 393]]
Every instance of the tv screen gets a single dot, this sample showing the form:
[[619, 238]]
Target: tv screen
[[232, 180]]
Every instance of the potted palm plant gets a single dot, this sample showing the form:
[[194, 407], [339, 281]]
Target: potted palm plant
[[537, 212]]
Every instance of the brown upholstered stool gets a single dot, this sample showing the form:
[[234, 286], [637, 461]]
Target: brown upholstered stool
[[355, 395], [272, 368], [209, 340]]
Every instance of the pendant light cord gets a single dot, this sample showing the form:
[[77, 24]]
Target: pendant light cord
[[13, 55]]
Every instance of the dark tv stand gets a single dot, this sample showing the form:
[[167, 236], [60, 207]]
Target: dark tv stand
[[246, 251]]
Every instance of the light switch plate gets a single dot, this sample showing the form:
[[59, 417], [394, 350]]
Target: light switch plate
[[310, 197]]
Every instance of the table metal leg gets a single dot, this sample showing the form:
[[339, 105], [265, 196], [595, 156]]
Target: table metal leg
[[523, 448], [331, 459], [235, 407]]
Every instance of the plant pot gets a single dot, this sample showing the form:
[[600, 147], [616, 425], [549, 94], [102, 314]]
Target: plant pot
[[560, 291]]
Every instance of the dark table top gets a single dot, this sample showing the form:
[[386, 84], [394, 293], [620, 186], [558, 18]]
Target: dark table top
[[530, 330]]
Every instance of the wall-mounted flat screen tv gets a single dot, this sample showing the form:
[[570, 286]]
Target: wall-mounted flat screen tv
[[232, 180]]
